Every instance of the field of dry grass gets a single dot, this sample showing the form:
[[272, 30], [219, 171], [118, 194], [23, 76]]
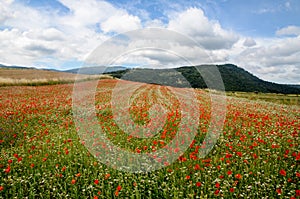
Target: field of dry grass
[[9, 77]]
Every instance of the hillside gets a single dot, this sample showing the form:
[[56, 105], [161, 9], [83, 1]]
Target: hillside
[[95, 70], [234, 78], [28, 76]]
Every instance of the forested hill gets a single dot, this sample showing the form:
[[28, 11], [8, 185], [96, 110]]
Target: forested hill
[[234, 78]]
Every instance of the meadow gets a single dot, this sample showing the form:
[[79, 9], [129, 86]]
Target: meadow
[[42, 155], [35, 77]]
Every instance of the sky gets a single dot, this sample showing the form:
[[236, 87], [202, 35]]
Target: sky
[[261, 36]]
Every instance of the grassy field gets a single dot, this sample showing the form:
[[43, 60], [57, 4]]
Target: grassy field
[[34, 77], [43, 156], [288, 99]]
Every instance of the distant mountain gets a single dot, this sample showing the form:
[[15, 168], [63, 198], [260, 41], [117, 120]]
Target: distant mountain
[[234, 78], [95, 70], [15, 67]]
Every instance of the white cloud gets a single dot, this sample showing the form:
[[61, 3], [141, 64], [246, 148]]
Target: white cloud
[[249, 42], [121, 23], [5, 12], [209, 34], [86, 13], [155, 23], [289, 30], [276, 59], [30, 36]]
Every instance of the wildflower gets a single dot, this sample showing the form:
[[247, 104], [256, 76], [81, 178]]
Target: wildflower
[[119, 188], [73, 181], [278, 191], [238, 176], [7, 170], [197, 167], [217, 192], [282, 172], [198, 184], [117, 193], [96, 181], [107, 176]]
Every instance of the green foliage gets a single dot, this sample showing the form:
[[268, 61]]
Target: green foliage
[[234, 78]]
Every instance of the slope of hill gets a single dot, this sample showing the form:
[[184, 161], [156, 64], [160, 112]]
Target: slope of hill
[[234, 78], [27, 76], [95, 70]]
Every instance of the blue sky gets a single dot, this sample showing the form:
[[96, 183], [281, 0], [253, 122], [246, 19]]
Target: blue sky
[[262, 36]]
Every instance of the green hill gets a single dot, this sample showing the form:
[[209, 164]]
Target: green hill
[[234, 78]]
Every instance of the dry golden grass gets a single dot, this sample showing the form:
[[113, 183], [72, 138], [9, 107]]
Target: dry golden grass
[[37, 77]]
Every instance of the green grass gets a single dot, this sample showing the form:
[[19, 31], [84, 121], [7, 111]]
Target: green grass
[[42, 155], [288, 99]]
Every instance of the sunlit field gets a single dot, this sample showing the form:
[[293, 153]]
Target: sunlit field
[[35, 77], [42, 155]]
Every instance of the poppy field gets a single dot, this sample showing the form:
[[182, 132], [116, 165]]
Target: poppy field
[[42, 156]]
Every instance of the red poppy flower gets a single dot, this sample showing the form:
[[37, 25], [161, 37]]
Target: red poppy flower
[[96, 181], [198, 184], [107, 176], [197, 167], [278, 191], [73, 181], [238, 176], [217, 192], [7, 170], [117, 193], [119, 188], [282, 172]]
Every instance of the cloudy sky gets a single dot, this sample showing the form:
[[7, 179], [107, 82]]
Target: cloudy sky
[[262, 37]]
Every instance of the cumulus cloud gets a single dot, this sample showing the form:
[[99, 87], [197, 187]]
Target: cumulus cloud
[[31, 36], [274, 59], [209, 34], [121, 23], [249, 42], [289, 30]]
